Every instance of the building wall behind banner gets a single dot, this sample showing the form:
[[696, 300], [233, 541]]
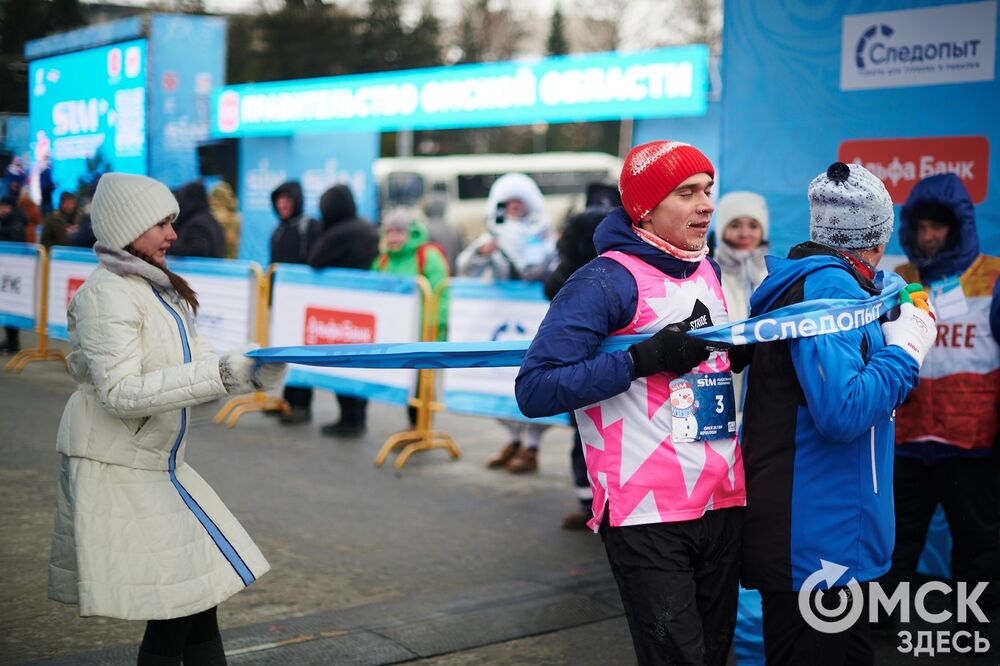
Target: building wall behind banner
[[317, 162], [189, 60], [806, 83]]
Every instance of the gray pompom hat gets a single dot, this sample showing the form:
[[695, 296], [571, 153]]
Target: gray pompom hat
[[849, 208]]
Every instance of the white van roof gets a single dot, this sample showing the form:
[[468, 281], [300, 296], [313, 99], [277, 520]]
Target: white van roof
[[496, 163]]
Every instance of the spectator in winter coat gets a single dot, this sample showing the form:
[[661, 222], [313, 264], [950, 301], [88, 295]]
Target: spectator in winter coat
[[576, 249], [198, 233], [348, 241], [741, 226], [946, 431], [407, 250], [138, 534], [667, 505], [84, 234], [818, 424], [518, 244], [32, 215], [12, 225], [291, 242], [62, 223], [224, 205]]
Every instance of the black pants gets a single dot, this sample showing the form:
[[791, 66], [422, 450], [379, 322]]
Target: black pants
[[788, 640], [353, 411], [679, 586], [172, 638], [13, 342], [298, 396], [966, 488]]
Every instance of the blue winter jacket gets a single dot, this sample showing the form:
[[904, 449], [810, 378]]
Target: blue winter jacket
[[561, 371], [818, 434]]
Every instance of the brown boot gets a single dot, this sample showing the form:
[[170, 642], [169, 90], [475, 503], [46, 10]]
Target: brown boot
[[506, 454], [525, 461]]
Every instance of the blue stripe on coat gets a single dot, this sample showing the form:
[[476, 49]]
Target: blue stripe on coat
[[227, 549]]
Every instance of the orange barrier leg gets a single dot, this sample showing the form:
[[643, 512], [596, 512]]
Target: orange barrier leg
[[247, 404]]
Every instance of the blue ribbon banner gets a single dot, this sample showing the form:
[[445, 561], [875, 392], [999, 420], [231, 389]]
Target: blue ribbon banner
[[801, 320]]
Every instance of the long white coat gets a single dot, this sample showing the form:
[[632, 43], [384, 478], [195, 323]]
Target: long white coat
[[138, 534]]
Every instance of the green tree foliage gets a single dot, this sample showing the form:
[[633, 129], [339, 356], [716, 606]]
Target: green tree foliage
[[557, 43]]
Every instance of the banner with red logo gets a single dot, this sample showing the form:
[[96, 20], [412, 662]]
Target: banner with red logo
[[18, 271], [901, 163], [344, 306]]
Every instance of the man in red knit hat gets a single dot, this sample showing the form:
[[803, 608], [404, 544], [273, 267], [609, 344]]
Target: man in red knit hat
[[668, 507]]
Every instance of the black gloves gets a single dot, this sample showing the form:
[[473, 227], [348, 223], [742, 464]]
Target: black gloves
[[670, 350], [740, 357]]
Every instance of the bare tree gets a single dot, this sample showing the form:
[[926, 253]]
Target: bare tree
[[630, 25], [489, 31]]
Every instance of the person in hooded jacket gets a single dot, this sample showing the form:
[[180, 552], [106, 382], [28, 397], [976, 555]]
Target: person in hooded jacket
[[62, 223], [668, 507], [291, 242], [199, 234], [818, 425], [138, 534], [947, 429], [518, 244], [348, 241], [741, 227], [576, 249]]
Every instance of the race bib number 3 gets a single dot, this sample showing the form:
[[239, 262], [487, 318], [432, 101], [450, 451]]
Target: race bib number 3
[[702, 407]]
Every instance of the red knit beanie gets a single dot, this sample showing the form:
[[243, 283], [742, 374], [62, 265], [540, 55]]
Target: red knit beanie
[[653, 170]]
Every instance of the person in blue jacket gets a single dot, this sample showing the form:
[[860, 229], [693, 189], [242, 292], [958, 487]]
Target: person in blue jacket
[[818, 427]]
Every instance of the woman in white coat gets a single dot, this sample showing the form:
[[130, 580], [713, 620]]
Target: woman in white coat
[[138, 534], [741, 227]]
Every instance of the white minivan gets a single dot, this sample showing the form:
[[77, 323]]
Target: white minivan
[[466, 179]]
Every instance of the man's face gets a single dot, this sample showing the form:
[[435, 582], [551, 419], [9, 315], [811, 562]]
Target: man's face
[[683, 217], [931, 236], [283, 204], [6, 210], [68, 206]]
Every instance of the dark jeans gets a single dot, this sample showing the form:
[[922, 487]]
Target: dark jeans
[[966, 488], [788, 640], [679, 585], [13, 341]]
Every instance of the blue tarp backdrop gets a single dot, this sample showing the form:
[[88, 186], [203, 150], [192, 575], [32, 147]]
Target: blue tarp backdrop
[[802, 77]]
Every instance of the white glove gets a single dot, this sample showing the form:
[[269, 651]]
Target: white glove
[[270, 375], [242, 374], [914, 331]]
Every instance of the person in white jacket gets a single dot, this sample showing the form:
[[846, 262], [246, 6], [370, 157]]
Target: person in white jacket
[[519, 244], [138, 534], [741, 230]]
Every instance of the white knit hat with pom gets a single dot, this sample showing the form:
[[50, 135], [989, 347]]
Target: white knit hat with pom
[[126, 205]]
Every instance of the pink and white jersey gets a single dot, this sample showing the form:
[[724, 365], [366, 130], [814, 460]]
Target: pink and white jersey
[[632, 461]]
